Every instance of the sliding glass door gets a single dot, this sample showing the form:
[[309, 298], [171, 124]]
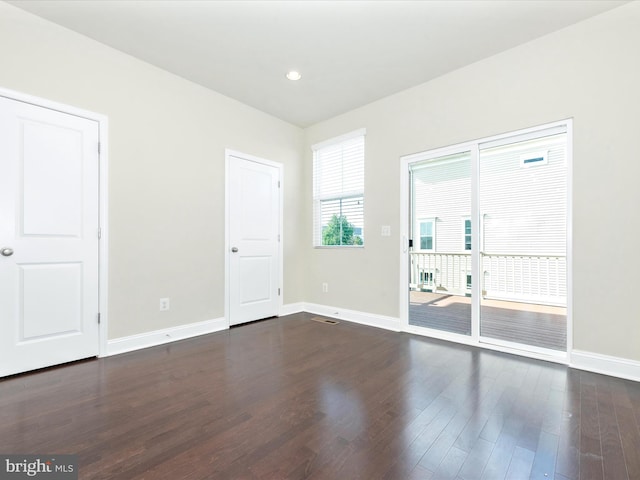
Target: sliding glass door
[[523, 211], [440, 250], [486, 256]]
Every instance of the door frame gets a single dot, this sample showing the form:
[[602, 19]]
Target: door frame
[[405, 211], [228, 153], [103, 200]]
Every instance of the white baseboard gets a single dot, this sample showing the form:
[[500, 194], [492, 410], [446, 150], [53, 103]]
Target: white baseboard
[[605, 364], [291, 308], [166, 335], [370, 319], [582, 360]]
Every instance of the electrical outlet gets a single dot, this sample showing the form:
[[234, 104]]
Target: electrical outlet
[[386, 230], [164, 304], [325, 288]]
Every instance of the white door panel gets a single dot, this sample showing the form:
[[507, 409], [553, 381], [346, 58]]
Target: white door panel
[[254, 225], [255, 273], [49, 217], [58, 290], [52, 180]]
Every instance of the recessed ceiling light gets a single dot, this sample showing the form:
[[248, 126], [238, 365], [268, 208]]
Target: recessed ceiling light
[[293, 75]]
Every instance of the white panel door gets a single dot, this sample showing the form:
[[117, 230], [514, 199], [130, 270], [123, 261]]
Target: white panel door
[[254, 226], [48, 237]]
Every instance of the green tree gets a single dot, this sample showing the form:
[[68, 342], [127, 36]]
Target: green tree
[[339, 232]]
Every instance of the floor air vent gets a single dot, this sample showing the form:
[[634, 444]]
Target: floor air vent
[[325, 320]]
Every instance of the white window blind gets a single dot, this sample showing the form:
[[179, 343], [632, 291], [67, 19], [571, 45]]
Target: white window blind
[[338, 191]]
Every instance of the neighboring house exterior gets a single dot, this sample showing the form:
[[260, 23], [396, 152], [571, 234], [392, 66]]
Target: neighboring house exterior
[[522, 204]]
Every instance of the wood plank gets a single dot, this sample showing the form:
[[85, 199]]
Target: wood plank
[[451, 464], [476, 460], [591, 466], [568, 461], [625, 406], [544, 461], [612, 454], [521, 463], [294, 398]]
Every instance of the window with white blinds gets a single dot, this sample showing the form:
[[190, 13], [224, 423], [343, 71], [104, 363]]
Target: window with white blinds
[[338, 191]]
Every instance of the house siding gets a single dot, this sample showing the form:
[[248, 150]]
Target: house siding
[[524, 209], [523, 220], [442, 191]]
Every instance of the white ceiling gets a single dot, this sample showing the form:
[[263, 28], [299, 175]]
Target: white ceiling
[[350, 53]]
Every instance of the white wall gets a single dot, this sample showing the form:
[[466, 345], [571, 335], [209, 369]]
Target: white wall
[[590, 72], [167, 140], [166, 169]]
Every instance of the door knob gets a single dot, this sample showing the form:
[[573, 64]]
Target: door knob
[[234, 249], [6, 252]]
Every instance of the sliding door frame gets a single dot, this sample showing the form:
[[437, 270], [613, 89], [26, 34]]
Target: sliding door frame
[[473, 147]]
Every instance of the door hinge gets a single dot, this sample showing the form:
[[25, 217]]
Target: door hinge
[[278, 183], [278, 292], [99, 233], [99, 149], [98, 318], [278, 237]]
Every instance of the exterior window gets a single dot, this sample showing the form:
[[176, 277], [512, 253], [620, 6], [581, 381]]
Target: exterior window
[[338, 191], [426, 276], [427, 235], [467, 234]]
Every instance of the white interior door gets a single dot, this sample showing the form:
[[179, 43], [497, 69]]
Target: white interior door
[[254, 228], [48, 237]]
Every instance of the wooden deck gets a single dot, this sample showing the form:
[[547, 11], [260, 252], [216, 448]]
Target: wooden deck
[[537, 325]]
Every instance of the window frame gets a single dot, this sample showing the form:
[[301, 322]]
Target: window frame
[[466, 219], [351, 195], [432, 221]]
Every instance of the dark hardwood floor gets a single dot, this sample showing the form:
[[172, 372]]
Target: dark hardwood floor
[[291, 398]]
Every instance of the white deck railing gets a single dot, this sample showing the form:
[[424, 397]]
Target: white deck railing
[[444, 272], [523, 278]]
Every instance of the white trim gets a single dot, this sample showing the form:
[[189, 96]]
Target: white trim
[[252, 158], [438, 152], [363, 318], [103, 199], [588, 361], [461, 156], [476, 245], [291, 308], [503, 347], [464, 219], [569, 239], [228, 153], [441, 335], [488, 142], [406, 200], [606, 365], [50, 104], [518, 136], [361, 132], [227, 240], [165, 335], [418, 235], [103, 248], [531, 350], [524, 353]]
